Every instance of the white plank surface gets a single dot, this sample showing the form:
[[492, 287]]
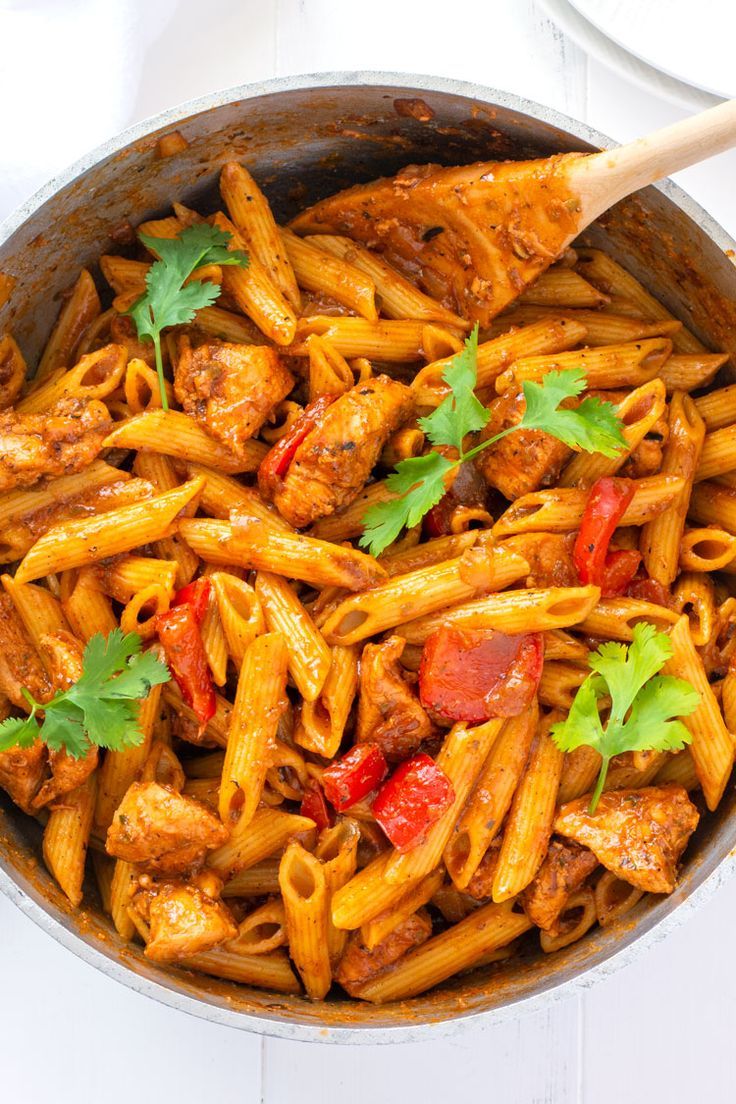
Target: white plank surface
[[75, 72]]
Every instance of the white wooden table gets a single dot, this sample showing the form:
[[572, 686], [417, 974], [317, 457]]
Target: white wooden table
[[73, 73]]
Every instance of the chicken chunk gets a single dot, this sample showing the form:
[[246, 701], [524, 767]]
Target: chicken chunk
[[358, 965], [184, 921], [389, 712], [564, 870], [65, 655], [20, 664], [638, 835], [60, 441], [21, 773], [230, 389], [332, 463], [524, 461], [162, 829], [549, 556]]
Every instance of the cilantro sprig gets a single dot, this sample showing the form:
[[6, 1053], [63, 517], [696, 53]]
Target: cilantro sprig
[[167, 300], [101, 708], [420, 481], [645, 706]]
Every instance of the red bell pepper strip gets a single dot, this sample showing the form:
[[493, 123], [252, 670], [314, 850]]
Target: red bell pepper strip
[[275, 463], [179, 634], [414, 798], [468, 488], [474, 674], [195, 594], [354, 776], [619, 569], [606, 505], [315, 807]]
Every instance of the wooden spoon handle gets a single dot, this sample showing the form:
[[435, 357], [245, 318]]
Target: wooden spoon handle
[[604, 178]]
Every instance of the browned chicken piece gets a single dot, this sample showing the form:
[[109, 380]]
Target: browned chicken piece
[[230, 389], [549, 556], [332, 464], [65, 655], [471, 237], [184, 920], [638, 835], [21, 773], [60, 441], [564, 870], [389, 712], [358, 965], [645, 460], [20, 663], [162, 829], [524, 461]]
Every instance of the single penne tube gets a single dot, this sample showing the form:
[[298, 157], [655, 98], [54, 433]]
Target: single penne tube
[[398, 342], [553, 335], [348, 522], [561, 287], [661, 539], [329, 372], [559, 644], [259, 702], [96, 376], [559, 684], [463, 945], [579, 771], [638, 411], [88, 540], [707, 549], [601, 327], [337, 850], [142, 388], [124, 882], [614, 618], [713, 504], [490, 800], [323, 721], [461, 758], [126, 576], [227, 326], [688, 373], [306, 904], [613, 898], [39, 610], [309, 657], [607, 366], [637, 770], [404, 444], [366, 895], [728, 699], [712, 744], [66, 837], [81, 308], [577, 918], [250, 211], [679, 768], [561, 509], [327, 274], [512, 611], [529, 822], [694, 595], [422, 592], [267, 833], [140, 612], [261, 931], [718, 454], [375, 931], [239, 613], [398, 297], [717, 408], [257, 881], [604, 273], [255, 292], [24, 505], [435, 551], [222, 494], [124, 275], [266, 971], [173, 433], [87, 609]]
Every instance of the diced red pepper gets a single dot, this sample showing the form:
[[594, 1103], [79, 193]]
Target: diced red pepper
[[314, 805], [179, 634], [649, 590], [414, 798], [275, 463], [619, 569], [196, 595], [474, 674], [354, 776], [468, 488], [606, 505]]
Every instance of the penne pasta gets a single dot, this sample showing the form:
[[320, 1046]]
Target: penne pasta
[[306, 903], [607, 366], [326, 274], [66, 837], [309, 658], [81, 308], [174, 434]]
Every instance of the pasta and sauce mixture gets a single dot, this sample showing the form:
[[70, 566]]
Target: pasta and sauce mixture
[[352, 782]]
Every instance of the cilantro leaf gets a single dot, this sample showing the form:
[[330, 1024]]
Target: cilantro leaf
[[646, 707], [421, 483], [168, 300], [101, 708], [592, 427], [460, 412]]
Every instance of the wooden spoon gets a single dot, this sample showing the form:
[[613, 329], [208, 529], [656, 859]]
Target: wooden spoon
[[474, 237]]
